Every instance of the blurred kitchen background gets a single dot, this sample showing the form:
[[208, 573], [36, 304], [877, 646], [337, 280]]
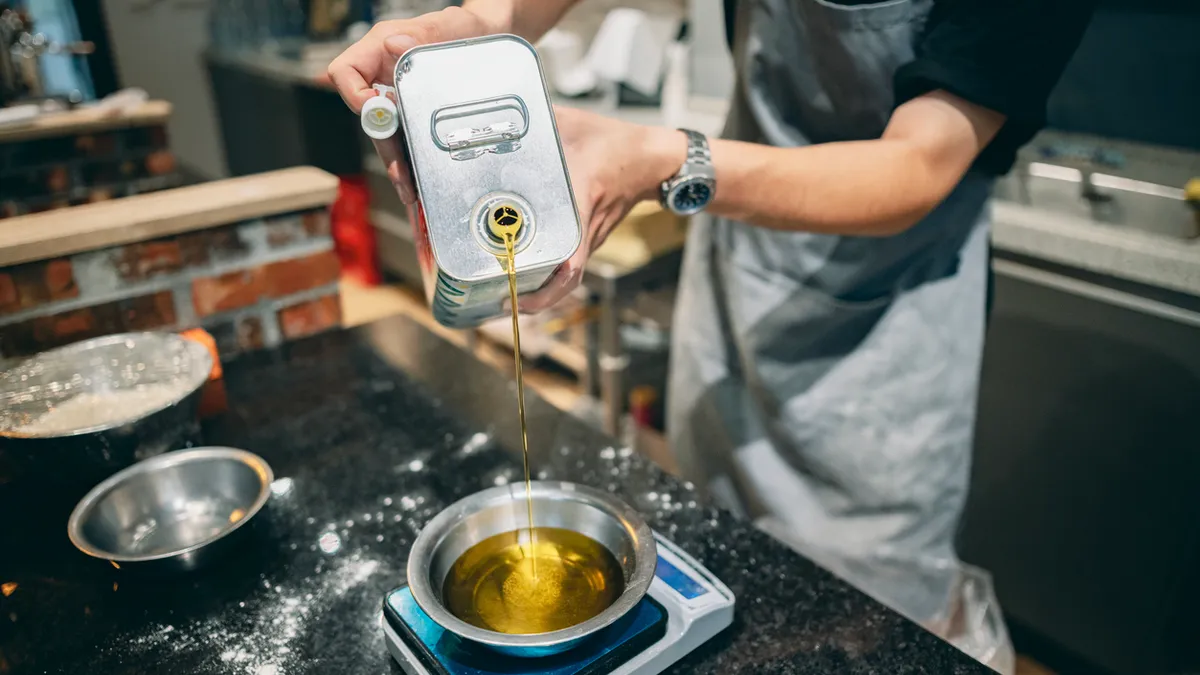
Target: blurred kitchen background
[[1088, 449]]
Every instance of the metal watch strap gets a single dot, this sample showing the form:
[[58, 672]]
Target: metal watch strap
[[696, 167], [697, 151]]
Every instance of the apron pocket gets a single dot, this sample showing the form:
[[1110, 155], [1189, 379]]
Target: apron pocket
[[790, 335], [848, 272]]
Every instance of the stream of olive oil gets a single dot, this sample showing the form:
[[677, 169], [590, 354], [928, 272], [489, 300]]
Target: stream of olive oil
[[511, 260], [555, 578]]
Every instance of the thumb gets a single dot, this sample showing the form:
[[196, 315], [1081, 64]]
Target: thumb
[[398, 45], [452, 23]]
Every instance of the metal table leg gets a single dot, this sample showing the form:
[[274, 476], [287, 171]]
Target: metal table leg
[[591, 377], [613, 360], [612, 286]]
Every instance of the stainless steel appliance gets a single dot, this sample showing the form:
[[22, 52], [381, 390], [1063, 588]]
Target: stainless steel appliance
[[1111, 182], [1087, 460]]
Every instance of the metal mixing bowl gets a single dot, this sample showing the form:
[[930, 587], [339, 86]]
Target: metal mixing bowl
[[172, 512], [144, 393], [599, 515]]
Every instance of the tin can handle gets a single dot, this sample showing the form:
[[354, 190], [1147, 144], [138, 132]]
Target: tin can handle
[[476, 124]]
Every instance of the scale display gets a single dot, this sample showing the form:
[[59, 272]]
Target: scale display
[[685, 607]]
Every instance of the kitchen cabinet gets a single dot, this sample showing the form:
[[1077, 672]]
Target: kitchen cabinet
[[1087, 466]]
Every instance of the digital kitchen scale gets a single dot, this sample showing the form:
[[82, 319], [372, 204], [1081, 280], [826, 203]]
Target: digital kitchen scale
[[685, 606]]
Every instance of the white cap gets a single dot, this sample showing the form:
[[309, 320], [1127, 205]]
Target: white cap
[[380, 118]]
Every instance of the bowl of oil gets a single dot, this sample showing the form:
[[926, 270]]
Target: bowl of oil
[[479, 570]]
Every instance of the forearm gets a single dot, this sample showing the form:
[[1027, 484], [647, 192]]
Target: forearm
[[876, 187], [528, 18]]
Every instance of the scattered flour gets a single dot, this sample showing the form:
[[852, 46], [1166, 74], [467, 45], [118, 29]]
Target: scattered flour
[[260, 637], [91, 409]]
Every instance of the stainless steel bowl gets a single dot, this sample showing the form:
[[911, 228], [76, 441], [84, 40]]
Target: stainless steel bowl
[[134, 395], [172, 512], [469, 521]]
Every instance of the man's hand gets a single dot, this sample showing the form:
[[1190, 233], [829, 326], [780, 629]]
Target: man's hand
[[373, 58], [613, 166]]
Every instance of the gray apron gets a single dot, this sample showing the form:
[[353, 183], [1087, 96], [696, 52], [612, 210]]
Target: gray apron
[[825, 385]]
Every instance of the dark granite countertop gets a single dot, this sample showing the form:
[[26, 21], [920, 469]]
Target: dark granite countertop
[[370, 432]]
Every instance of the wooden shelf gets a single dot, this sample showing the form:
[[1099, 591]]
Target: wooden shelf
[[86, 120], [159, 214]]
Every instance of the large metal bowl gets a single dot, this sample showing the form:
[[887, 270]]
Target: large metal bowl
[[460, 526], [173, 512], [143, 390]]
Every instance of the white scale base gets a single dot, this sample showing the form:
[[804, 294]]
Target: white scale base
[[698, 607]]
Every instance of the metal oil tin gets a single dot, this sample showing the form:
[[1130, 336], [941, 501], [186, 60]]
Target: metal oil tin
[[480, 135]]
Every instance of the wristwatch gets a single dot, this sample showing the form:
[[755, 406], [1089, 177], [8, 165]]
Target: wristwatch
[[690, 190]]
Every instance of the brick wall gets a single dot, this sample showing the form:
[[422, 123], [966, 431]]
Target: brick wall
[[42, 174], [251, 284]]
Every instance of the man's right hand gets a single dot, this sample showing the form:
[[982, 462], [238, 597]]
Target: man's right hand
[[373, 58]]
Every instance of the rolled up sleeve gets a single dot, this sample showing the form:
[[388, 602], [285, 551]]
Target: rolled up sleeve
[[1004, 55]]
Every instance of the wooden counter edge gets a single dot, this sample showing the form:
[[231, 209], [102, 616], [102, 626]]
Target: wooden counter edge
[[87, 120], [159, 214]]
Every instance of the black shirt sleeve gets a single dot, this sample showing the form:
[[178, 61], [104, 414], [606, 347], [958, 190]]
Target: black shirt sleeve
[[1005, 55]]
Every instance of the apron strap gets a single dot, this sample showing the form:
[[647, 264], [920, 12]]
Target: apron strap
[[730, 19]]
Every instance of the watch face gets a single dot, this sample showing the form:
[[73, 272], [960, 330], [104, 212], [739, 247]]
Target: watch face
[[692, 197]]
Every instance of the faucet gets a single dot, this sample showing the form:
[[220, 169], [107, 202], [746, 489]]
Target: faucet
[[1087, 160]]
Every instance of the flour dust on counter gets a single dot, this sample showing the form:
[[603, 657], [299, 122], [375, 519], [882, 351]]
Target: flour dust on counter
[[262, 636], [335, 569]]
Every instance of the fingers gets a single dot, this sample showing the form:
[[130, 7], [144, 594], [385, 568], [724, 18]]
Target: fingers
[[549, 295], [398, 45], [561, 283], [452, 23], [373, 58], [358, 68]]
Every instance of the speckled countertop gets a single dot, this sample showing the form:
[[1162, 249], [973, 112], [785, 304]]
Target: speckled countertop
[[370, 432]]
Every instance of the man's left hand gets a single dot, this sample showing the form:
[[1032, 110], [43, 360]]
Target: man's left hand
[[613, 165]]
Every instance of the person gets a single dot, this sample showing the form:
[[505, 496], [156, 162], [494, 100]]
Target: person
[[829, 325]]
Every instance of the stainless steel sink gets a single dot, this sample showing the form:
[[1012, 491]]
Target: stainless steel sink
[[1113, 182]]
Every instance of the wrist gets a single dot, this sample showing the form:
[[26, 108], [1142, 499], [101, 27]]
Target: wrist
[[664, 152]]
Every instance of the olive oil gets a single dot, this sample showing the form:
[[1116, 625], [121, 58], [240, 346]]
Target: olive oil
[[535, 579], [492, 585], [506, 221]]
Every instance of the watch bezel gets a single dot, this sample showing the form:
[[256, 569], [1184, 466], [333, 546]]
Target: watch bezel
[[676, 184]]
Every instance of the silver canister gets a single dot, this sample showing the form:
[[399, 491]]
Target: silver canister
[[483, 146]]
